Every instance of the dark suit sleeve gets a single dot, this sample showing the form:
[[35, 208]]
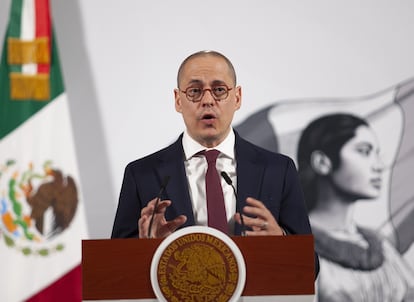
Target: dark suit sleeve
[[293, 215], [129, 208]]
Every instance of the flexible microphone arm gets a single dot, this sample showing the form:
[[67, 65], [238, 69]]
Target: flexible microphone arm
[[229, 182], [163, 186]]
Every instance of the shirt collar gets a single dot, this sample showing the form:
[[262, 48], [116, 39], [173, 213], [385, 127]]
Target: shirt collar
[[192, 147]]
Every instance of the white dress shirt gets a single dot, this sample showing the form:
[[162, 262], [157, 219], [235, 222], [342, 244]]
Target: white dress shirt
[[196, 167]]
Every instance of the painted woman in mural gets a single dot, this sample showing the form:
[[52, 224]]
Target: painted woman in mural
[[339, 163]]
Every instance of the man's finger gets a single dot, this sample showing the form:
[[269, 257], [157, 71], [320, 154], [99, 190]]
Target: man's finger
[[254, 202], [256, 233], [162, 205], [254, 211], [170, 226], [143, 226]]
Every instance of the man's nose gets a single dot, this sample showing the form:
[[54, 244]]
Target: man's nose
[[207, 97]]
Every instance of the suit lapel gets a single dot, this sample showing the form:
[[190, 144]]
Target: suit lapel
[[250, 170], [172, 164]]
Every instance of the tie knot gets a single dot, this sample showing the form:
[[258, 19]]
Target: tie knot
[[211, 156]]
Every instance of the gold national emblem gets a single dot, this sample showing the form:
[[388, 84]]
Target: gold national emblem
[[197, 267]]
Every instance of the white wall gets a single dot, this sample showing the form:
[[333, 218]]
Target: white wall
[[120, 60]]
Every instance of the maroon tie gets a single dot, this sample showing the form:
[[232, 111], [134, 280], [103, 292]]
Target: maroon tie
[[215, 200]]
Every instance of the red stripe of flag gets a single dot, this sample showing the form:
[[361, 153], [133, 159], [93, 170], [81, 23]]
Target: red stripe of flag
[[66, 289], [43, 28]]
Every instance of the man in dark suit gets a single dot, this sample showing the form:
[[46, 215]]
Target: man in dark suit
[[268, 189]]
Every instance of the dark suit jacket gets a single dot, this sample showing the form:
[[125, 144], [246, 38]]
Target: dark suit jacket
[[269, 177], [266, 176]]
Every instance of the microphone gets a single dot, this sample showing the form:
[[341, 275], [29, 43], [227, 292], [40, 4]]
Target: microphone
[[157, 201], [229, 182]]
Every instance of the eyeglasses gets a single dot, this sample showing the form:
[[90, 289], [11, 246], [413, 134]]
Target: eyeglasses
[[218, 92]]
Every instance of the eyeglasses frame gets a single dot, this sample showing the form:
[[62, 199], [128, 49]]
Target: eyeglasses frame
[[204, 91]]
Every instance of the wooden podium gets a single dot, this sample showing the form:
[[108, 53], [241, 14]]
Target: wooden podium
[[120, 268]]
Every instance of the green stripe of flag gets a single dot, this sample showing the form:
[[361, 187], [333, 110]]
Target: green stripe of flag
[[15, 19], [14, 28], [14, 113]]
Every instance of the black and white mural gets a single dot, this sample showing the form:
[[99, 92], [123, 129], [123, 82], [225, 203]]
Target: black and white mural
[[355, 157]]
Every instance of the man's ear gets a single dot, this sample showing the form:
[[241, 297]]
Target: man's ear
[[320, 163], [177, 99], [238, 97]]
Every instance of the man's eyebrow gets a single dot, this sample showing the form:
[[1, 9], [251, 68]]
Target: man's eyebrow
[[195, 81], [199, 82], [217, 82]]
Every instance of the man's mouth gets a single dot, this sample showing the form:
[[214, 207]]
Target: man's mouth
[[208, 116]]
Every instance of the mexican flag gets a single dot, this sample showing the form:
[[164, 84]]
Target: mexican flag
[[42, 219]]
